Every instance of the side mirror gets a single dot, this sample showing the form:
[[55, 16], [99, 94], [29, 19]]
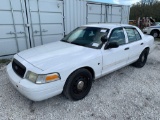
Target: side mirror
[[104, 39], [112, 45]]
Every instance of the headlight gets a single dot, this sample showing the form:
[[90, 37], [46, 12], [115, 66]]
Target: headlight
[[31, 76], [40, 79]]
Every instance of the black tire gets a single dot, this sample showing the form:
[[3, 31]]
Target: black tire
[[155, 33], [142, 59], [78, 84]]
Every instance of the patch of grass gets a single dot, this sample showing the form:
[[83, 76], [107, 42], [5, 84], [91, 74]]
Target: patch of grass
[[157, 39], [5, 61]]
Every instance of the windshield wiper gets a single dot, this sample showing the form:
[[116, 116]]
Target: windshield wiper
[[73, 43], [77, 43], [66, 41], [70, 42]]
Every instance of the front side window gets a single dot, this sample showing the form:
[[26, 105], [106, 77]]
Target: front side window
[[86, 36], [133, 34], [118, 36]]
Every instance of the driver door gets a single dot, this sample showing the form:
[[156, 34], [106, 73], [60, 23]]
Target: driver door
[[115, 58]]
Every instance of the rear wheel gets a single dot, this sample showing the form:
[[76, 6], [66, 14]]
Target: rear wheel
[[78, 84], [142, 59], [155, 33]]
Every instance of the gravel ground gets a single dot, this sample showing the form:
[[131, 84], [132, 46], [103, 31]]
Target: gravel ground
[[127, 94]]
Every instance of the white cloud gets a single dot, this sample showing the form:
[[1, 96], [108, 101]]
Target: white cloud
[[126, 2], [116, 1]]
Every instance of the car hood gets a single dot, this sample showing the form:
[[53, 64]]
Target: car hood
[[58, 54], [155, 26]]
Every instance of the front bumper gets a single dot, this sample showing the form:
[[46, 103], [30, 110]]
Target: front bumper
[[152, 48], [35, 92]]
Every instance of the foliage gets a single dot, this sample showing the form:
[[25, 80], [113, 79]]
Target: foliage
[[145, 10], [4, 61], [157, 39]]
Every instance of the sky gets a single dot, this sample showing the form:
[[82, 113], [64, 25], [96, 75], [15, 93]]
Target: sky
[[128, 2], [125, 2]]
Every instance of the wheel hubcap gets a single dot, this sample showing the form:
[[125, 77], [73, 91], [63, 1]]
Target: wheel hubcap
[[155, 35], [80, 85], [143, 58]]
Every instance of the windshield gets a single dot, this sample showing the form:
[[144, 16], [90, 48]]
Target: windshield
[[86, 36]]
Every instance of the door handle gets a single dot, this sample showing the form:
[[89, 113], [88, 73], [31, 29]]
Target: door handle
[[11, 33], [20, 32], [44, 30], [141, 43], [36, 31], [126, 48], [16, 32]]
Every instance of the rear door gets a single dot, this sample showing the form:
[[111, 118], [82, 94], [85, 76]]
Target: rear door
[[29, 23], [125, 14], [46, 21], [14, 35], [115, 58], [135, 43], [114, 14], [96, 13]]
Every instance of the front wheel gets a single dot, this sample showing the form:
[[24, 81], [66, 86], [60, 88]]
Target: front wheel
[[78, 84], [142, 59], [155, 33]]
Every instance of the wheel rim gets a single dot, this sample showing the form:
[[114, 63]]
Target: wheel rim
[[143, 58], [80, 85], [155, 34]]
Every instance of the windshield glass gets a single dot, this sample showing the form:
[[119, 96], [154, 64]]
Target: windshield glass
[[86, 36]]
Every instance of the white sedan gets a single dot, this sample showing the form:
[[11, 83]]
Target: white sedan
[[69, 66], [153, 30]]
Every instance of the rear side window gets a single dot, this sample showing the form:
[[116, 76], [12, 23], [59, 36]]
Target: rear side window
[[133, 34], [138, 36]]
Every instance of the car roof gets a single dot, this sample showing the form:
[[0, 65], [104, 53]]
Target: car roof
[[108, 25]]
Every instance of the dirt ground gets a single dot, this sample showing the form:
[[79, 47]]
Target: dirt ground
[[127, 94]]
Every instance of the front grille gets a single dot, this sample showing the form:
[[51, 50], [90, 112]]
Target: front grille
[[18, 68]]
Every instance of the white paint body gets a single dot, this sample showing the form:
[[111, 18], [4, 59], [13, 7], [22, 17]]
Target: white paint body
[[148, 30], [65, 58]]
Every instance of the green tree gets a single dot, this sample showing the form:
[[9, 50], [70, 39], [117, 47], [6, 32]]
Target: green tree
[[145, 10]]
